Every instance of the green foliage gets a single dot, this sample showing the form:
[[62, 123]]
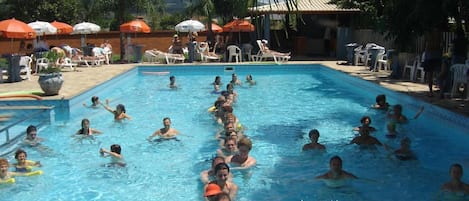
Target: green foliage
[[52, 56], [167, 22], [45, 10]]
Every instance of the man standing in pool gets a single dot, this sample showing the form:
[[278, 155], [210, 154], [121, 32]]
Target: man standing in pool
[[166, 132], [335, 171]]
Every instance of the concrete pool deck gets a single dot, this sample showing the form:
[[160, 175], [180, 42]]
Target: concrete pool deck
[[76, 82]]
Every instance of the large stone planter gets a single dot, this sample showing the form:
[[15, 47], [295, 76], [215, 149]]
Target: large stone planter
[[51, 83]]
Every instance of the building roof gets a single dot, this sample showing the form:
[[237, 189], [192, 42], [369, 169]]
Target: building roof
[[304, 7]]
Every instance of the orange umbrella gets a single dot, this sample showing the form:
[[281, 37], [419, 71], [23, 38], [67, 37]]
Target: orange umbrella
[[62, 28], [13, 28], [238, 25], [135, 26], [216, 28]]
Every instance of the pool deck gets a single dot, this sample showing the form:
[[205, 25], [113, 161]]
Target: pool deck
[[76, 82]]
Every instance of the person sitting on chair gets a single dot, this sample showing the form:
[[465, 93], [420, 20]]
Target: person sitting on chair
[[264, 48]]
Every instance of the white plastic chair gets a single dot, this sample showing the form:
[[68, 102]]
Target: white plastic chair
[[234, 51], [67, 62], [383, 63], [419, 72], [41, 63], [25, 65], [247, 49], [459, 77], [410, 67]]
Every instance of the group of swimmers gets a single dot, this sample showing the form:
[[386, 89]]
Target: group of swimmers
[[395, 117]]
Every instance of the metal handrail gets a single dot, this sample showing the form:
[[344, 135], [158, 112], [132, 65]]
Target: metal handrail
[[6, 129]]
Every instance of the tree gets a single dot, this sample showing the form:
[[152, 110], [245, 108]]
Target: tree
[[44, 10]]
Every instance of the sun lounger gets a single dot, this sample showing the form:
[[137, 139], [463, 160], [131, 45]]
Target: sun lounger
[[167, 57], [267, 54]]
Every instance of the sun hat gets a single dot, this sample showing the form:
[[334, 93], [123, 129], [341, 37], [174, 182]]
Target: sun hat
[[175, 36], [265, 41], [212, 189]]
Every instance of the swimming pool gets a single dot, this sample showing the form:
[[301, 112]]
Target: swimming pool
[[287, 102]]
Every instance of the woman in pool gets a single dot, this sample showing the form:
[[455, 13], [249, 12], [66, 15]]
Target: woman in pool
[[404, 152], [172, 82], [211, 192], [235, 80], [250, 80], [6, 175], [86, 130], [94, 102], [336, 173], [366, 121], [381, 103], [231, 91], [119, 113], [222, 174], [395, 114], [22, 165], [314, 145], [115, 154], [217, 81], [166, 132], [455, 185], [229, 147], [31, 138], [208, 175], [242, 158]]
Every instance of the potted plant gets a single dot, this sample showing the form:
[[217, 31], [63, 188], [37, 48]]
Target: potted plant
[[50, 78]]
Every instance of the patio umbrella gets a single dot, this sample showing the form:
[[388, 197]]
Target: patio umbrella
[[238, 25], [189, 26], [216, 28], [13, 28], [62, 28], [135, 26], [85, 28], [43, 28]]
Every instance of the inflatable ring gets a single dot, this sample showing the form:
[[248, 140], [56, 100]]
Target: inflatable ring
[[212, 109], [8, 181], [34, 173], [22, 96]]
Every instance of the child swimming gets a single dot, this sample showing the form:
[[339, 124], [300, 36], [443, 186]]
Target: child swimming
[[22, 165], [115, 154], [85, 128], [119, 113]]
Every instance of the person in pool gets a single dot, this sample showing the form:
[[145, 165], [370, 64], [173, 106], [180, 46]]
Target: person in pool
[[222, 174], [395, 114], [313, 145], [366, 121], [455, 185], [211, 192], [31, 138], [208, 175], [235, 80], [365, 138], [115, 154], [404, 152], [94, 102], [22, 165], [166, 132], [5, 175], [85, 128], [249, 80], [172, 82], [119, 112], [336, 173], [217, 81], [242, 158], [381, 103], [229, 148]]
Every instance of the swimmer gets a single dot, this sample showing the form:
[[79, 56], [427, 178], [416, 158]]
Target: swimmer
[[31, 138], [119, 113], [314, 145], [229, 148], [211, 192], [94, 102], [222, 172], [391, 128], [404, 152], [217, 81], [115, 154], [216, 89], [235, 80], [208, 175], [250, 80], [455, 185], [22, 165], [365, 138], [223, 196], [172, 82], [366, 121], [336, 173], [242, 158], [395, 114], [86, 130], [166, 132], [6, 175], [381, 103]]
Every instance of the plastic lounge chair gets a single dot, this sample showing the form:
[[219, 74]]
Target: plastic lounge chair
[[41, 63], [25, 65], [207, 56], [263, 54], [168, 57], [459, 77], [149, 56], [67, 62], [234, 51]]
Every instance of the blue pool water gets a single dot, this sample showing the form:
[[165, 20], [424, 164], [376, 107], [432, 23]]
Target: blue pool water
[[286, 103]]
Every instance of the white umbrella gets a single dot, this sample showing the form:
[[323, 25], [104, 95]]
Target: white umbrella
[[189, 26], [85, 28], [43, 28]]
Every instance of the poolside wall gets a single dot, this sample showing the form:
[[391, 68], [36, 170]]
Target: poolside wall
[[159, 39]]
